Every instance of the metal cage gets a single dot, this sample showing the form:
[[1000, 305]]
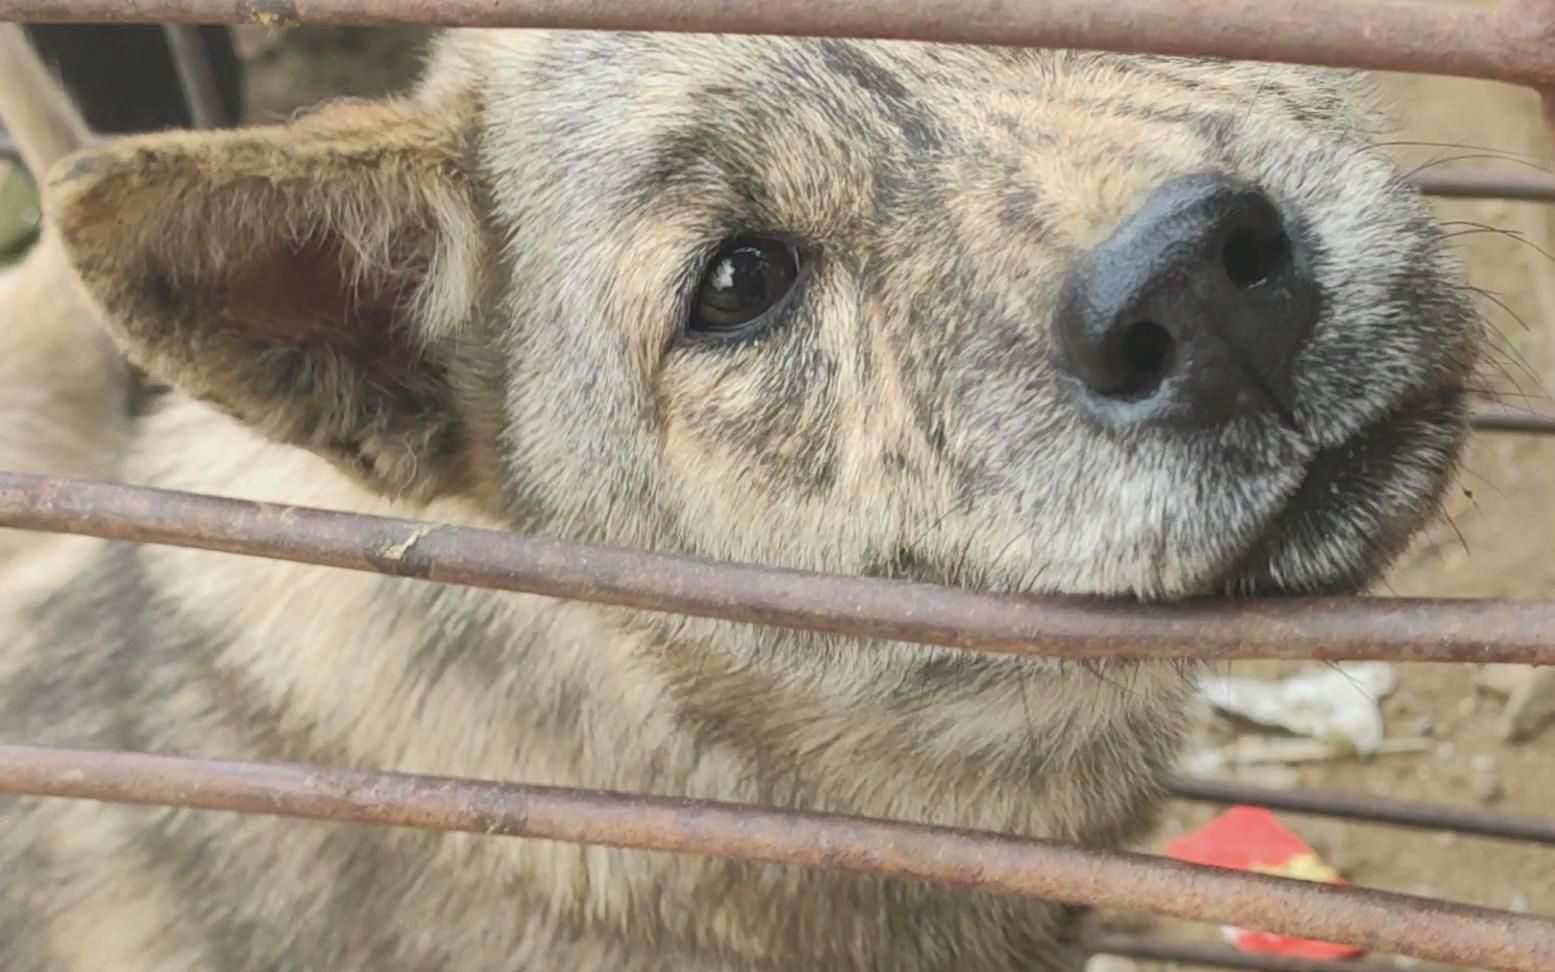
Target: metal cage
[[1513, 43]]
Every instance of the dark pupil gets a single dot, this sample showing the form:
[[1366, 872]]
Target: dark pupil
[[739, 283], [742, 283]]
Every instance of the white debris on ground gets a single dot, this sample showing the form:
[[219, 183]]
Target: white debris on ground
[[1334, 708], [1109, 963]]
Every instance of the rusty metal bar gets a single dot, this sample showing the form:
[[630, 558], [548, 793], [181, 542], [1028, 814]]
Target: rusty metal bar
[[195, 76], [1446, 39], [1535, 20], [1484, 182], [1526, 419], [1220, 956], [1375, 920], [1382, 810], [1397, 629]]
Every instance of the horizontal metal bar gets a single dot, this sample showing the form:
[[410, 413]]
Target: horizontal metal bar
[[1375, 920], [1156, 949], [1527, 419], [1434, 38], [1485, 182], [1397, 629], [1372, 809]]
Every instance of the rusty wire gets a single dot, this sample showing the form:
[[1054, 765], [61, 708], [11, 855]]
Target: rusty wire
[[1389, 629], [1374, 920], [1507, 44], [1371, 809]]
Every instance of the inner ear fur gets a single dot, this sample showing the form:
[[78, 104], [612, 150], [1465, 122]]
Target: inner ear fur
[[306, 278]]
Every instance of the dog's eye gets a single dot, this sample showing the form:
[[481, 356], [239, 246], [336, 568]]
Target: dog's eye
[[747, 278]]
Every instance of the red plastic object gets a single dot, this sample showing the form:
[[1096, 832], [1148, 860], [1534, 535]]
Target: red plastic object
[[1250, 839]]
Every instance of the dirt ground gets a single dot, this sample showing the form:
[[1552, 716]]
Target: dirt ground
[[1497, 541]]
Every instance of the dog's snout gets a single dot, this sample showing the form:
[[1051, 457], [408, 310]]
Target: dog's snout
[[1191, 311]]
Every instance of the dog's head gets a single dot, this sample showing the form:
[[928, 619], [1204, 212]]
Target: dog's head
[[1040, 321]]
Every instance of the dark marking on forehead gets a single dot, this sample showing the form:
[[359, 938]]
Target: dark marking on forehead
[[905, 191], [702, 162], [1306, 97], [1188, 114], [1161, 70], [892, 97], [851, 62]]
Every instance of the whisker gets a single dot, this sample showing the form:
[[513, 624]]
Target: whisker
[[1509, 234], [1505, 359], [1499, 302], [1486, 150], [1470, 157], [1499, 345]]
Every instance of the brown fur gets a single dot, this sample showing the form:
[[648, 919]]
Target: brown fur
[[468, 306]]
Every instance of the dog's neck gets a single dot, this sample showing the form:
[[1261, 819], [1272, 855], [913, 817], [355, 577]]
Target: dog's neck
[[396, 674]]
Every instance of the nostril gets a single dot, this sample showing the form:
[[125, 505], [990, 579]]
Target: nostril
[[1147, 358], [1251, 259], [1191, 311]]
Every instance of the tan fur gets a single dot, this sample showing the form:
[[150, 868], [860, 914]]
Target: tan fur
[[61, 379], [468, 306], [34, 107]]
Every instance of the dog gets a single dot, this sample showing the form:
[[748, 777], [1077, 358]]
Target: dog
[[63, 382], [1016, 321]]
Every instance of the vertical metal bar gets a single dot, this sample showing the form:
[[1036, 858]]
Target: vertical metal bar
[[195, 76], [1529, 25]]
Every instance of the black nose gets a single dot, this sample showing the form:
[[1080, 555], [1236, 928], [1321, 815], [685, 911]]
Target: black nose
[[1192, 311]]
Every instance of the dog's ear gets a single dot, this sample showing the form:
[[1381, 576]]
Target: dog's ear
[[306, 278]]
